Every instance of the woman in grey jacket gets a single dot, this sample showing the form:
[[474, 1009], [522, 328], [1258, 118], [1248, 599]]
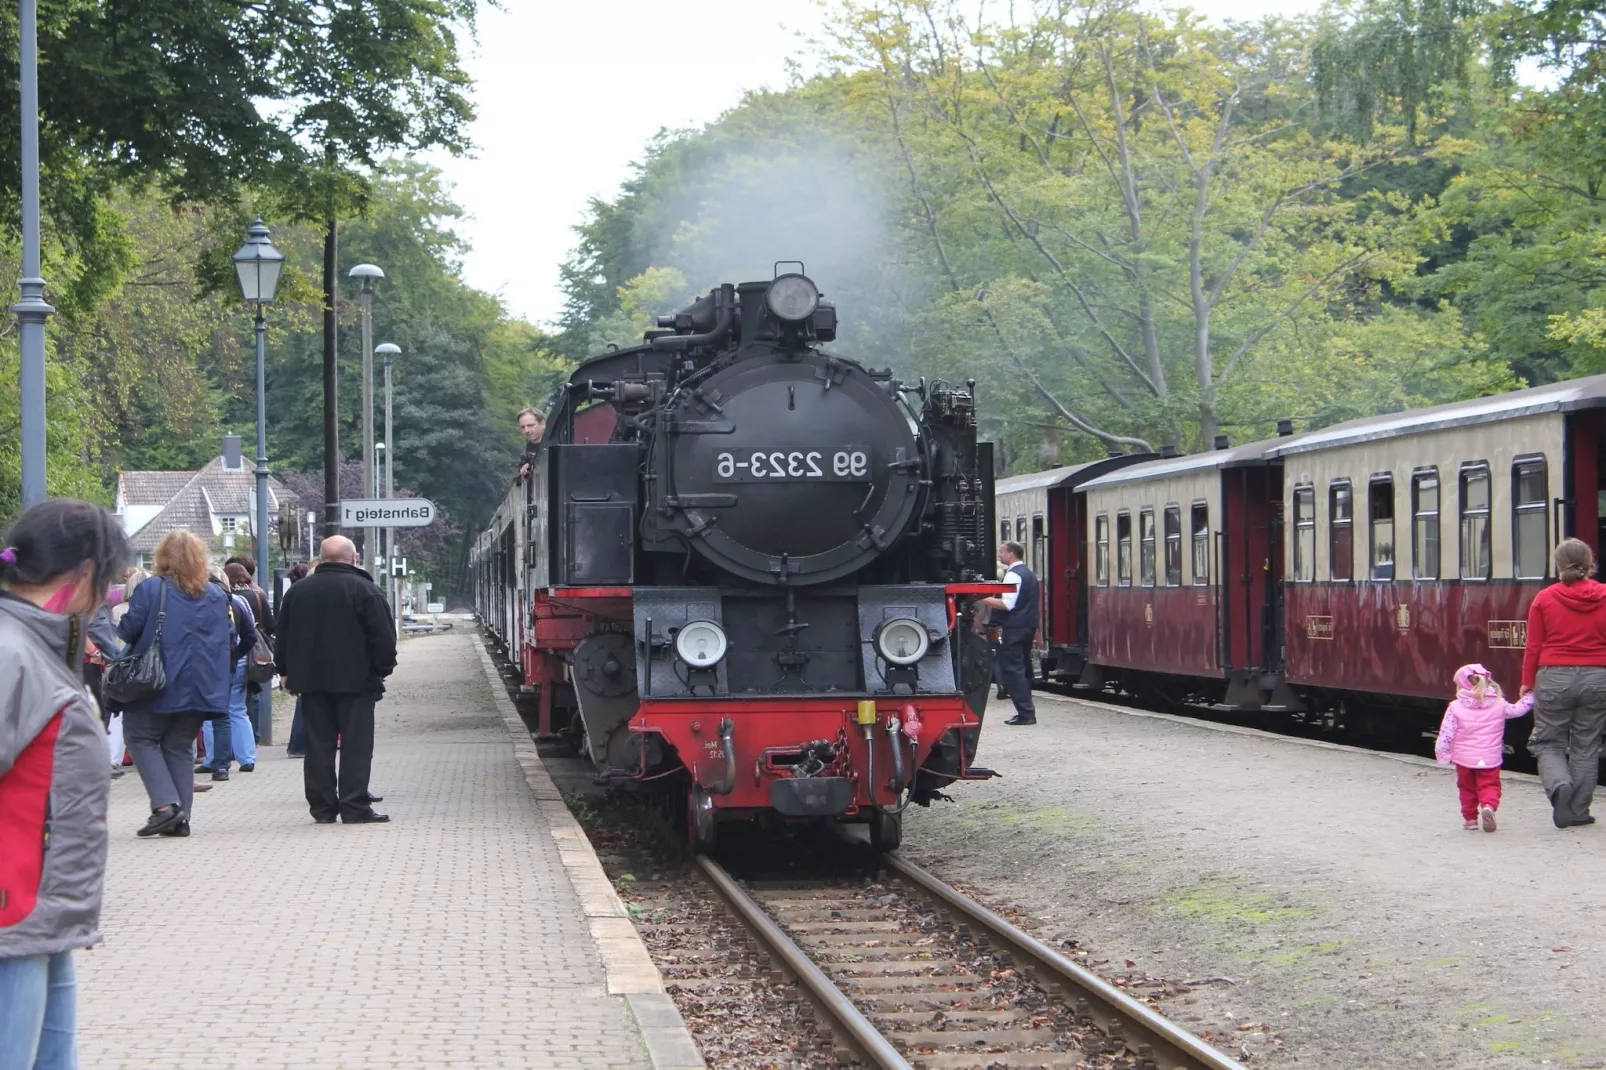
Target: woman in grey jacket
[[55, 566]]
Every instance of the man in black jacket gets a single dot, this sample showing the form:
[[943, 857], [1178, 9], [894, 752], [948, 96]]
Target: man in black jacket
[[335, 645]]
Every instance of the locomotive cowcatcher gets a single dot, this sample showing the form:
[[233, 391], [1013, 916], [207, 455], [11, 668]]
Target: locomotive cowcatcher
[[747, 562]]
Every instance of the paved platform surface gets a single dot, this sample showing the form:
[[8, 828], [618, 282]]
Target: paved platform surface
[[1323, 900], [470, 931]]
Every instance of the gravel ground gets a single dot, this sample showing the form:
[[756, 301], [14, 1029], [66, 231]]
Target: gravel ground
[[1322, 904]]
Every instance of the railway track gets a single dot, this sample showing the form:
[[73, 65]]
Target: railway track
[[910, 974]]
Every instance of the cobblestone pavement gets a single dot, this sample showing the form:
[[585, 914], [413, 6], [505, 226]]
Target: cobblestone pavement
[[450, 937]]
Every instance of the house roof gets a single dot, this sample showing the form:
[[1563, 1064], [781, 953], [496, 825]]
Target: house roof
[[151, 488], [212, 491]]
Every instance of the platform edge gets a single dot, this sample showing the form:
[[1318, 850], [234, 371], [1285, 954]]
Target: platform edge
[[629, 968]]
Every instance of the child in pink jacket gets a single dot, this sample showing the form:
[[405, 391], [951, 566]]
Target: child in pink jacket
[[1473, 737]]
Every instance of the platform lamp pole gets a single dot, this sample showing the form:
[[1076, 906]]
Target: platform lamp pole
[[367, 273], [389, 350], [32, 311], [257, 265]]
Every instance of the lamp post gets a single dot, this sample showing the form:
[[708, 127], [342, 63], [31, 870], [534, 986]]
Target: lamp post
[[378, 547], [389, 350], [32, 311], [257, 265], [367, 273]]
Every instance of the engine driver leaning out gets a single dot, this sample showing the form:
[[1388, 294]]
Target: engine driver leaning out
[[532, 425]]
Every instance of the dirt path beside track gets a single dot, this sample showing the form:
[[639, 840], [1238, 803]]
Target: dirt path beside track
[[1325, 902]]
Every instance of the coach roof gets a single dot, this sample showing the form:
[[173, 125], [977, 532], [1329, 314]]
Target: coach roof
[[1248, 454], [1569, 396], [1066, 475]]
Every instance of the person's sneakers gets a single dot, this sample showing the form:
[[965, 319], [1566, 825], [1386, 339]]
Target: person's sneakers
[[248, 767], [1584, 819], [1001, 693], [329, 820], [202, 787], [1470, 824], [1018, 719], [201, 770], [221, 774], [1486, 818], [165, 818], [1561, 806], [372, 817], [118, 772], [180, 829]]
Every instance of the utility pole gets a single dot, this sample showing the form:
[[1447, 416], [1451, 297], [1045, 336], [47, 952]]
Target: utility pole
[[32, 311], [331, 384]]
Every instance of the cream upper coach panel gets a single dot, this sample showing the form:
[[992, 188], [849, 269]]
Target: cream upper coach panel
[[1477, 492]]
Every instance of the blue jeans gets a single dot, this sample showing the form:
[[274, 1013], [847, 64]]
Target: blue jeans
[[38, 1012], [241, 736]]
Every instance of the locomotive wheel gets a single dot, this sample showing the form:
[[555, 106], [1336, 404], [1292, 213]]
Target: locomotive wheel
[[702, 830], [886, 830]]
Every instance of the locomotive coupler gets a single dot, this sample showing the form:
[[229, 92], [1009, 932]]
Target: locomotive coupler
[[727, 747]]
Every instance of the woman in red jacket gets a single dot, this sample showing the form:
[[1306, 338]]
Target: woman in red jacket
[[1565, 667]]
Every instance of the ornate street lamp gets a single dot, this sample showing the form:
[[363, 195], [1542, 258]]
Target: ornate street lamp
[[32, 310], [258, 266]]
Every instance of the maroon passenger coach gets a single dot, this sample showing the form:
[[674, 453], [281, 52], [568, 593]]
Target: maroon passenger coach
[[1366, 560]]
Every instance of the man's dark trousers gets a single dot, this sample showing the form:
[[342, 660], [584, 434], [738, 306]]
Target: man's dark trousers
[[1014, 671], [351, 717]]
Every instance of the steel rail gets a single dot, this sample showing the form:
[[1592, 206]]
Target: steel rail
[[1172, 1046], [851, 1025]]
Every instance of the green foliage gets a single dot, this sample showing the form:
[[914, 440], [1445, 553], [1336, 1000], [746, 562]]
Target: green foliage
[[1130, 228]]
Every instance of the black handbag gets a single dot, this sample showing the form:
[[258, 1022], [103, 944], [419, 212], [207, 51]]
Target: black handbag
[[138, 677]]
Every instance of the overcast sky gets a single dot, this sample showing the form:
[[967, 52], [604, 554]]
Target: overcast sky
[[569, 92]]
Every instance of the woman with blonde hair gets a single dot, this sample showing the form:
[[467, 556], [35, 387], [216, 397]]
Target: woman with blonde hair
[[188, 616]]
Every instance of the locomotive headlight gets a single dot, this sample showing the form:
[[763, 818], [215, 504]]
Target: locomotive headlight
[[902, 641], [700, 643], [793, 298]]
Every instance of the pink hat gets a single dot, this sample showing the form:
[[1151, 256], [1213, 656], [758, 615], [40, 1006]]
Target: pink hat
[[1466, 673]]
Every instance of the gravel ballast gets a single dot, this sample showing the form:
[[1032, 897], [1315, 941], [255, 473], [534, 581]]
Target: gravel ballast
[[1299, 904]]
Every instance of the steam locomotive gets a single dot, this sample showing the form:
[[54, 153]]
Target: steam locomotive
[[746, 565]]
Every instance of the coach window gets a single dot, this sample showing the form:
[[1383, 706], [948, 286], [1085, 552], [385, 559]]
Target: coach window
[[1425, 524], [1341, 530], [1020, 531], [1173, 546], [1146, 547], [1201, 543], [1380, 511], [1039, 545], [1530, 527], [1123, 549], [1101, 549], [1003, 531], [1304, 534], [1476, 558]]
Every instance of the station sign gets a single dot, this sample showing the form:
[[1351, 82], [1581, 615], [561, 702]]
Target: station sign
[[387, 513]]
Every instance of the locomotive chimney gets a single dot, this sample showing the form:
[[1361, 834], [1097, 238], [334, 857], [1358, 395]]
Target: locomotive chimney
[[1168, 450], [1221, 442], [1285, 427]]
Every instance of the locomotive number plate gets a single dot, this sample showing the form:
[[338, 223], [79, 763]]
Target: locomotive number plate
[[842, 464]]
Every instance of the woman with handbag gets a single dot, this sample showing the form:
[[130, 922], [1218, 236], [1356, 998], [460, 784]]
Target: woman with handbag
[[55, 565], [179, 620]]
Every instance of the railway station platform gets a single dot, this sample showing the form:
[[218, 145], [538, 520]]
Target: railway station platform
[[476, 929], [1298, 903]]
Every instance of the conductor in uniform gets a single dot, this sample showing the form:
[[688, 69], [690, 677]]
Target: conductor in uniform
[[335, 645], [1015, 614]]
